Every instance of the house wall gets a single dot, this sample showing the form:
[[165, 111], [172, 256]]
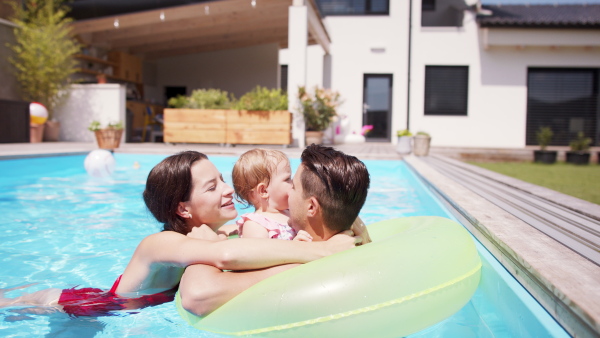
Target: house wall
[[363, 45], [236, 71], [497, 101], [104, 103]]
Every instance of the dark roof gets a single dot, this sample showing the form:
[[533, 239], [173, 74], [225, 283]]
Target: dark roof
[[542, 16]]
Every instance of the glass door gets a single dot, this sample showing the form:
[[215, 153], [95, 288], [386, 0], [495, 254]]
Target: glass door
[[377, 106]]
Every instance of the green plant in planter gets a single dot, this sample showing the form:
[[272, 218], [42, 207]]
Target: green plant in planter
[[95, 126], [318, 107], [262, 98], [422, 133], [203, 99], [44, 49], [403, 132], [581, 143], [544, 137]]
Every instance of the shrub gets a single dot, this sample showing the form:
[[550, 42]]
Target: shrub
[[581, 143], [544, 137], [404, 132], [318, 107], [262, 98], [202, 99]]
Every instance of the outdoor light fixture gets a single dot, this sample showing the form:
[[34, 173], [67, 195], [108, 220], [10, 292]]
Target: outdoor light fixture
[[116, 23], [253, 3], [162, 16], [206, 10]]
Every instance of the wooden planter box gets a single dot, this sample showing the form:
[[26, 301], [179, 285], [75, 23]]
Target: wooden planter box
[[227, 126]]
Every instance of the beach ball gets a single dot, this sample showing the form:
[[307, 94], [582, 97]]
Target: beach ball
[[99, 163], [38, 113]]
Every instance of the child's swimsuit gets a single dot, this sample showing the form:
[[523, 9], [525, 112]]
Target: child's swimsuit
[[276, 229], [95, 302]]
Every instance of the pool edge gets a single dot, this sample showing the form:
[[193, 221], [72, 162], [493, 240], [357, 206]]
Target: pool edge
[[533, 258]]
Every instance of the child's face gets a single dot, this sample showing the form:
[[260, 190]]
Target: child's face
[[280, 186]]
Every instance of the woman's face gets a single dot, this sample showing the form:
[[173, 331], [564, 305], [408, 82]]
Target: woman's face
[[211, 199]]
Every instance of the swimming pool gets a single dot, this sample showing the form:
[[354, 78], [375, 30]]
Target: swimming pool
[[62, 228]]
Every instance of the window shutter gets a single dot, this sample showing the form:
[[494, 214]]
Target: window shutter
[[565, 100]]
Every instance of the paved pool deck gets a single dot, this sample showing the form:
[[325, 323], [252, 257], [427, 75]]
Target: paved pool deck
[[564, 281]]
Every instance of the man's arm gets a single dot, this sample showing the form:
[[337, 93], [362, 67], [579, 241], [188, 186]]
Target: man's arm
[[204, 288]]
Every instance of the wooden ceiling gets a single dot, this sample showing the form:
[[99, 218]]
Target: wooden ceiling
[[200, 27]]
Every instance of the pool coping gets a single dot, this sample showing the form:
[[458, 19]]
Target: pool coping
[[565, 283]]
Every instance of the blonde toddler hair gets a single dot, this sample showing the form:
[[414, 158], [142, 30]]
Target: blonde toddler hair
[[252, 168]]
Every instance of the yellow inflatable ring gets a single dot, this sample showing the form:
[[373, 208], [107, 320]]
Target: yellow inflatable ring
[[417, 272]]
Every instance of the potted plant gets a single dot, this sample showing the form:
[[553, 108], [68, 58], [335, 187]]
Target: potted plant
[[108, 137], [318, 109], [579, 153], [421, 143], [404, 147], [43, 55], [544, 137]]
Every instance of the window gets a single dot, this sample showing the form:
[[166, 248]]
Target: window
[[564, 99], [428, 5], [354, 7], [283, 78], [446, 90]]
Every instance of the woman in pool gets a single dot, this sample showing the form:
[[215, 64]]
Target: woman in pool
[[187, 194]]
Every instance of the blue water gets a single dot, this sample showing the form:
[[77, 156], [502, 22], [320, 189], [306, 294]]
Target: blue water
[[61, 228]]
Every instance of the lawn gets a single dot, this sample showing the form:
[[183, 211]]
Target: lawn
[[578, 181]]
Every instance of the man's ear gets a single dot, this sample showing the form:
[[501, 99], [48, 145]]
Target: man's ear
[[182, 210], [313, 207]]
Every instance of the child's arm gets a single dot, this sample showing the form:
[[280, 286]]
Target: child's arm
[[251, 229]]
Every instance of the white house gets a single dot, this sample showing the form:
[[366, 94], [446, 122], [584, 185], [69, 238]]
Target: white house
[[469, 76]]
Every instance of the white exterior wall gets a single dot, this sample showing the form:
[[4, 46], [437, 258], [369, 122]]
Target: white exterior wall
[[236, 71], [497, 98], [104, 103], [352, 41]]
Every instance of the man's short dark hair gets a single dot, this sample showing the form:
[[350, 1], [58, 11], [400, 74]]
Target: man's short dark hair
[[338, 181]]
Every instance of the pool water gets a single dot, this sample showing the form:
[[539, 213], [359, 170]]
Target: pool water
[[62, 228]]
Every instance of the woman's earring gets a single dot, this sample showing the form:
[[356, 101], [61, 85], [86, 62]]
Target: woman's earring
[[190, 215]]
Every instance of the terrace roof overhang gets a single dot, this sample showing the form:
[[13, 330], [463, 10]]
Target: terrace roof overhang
[[200, 27]]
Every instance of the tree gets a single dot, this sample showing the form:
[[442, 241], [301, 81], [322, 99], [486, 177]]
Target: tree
[[44, 49]]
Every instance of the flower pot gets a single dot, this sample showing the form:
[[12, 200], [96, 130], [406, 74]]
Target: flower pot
[[108, 138], [578, 157], [404, 146], [421, 145], [36, 132], [51, 131], [544, 156], [315, 137]]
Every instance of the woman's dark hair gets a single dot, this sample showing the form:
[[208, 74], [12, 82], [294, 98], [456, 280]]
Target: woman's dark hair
[[338, 181], [169, 183]]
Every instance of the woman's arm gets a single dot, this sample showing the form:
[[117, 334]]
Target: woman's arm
[[237, 254]]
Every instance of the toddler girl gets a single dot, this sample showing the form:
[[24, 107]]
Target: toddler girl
[[263, 178]]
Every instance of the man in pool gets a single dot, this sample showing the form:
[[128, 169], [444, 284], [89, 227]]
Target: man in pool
[[329, 189]]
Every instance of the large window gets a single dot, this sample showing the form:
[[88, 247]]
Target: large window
[[565, 100], [354, 7], [446, 90]]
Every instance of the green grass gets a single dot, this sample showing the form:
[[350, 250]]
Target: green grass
[[578, 181]]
